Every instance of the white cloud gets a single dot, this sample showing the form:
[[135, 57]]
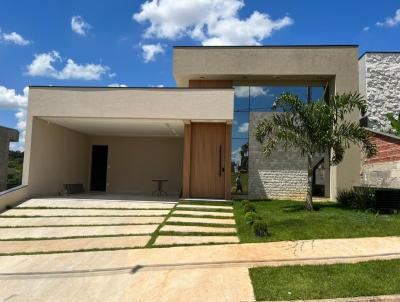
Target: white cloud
[[243, 91], [43, 65], [117, 85], [390, 21], [243, 128], [80, 26], [15, 38], [150, 51], [235, 156], [366, 28], [9, 99], [212, 22]]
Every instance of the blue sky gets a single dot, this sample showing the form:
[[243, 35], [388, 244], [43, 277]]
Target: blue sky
[[103, 42]]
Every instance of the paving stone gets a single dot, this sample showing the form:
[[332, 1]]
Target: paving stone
[[200, 220], [40, 221], [57, 245], [95, 203], [54, 232], [168, 240], [206, 207], [84, 212], [203, 213], [196, 229]]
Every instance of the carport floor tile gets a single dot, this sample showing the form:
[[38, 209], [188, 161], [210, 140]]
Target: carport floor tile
[[95, 203], [57, 232], [202, 213], [54, 221], [196, 229], [58, 245], [170, 240], [200, 220], [84, 212]]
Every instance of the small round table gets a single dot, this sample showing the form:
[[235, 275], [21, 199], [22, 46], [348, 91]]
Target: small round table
[[159, 190]]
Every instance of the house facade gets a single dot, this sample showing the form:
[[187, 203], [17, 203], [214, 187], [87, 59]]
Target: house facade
[[123, 139]]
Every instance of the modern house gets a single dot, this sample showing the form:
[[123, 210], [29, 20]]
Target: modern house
[[121, 140]]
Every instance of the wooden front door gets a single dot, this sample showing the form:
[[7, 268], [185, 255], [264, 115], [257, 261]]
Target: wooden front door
[[207, 160]]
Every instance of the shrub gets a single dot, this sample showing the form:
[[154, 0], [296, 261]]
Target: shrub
[[249, 208], [251, 217], [357, 198], [244, 202], [260, 228]]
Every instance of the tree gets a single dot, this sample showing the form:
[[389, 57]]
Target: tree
[[315, 128], [395, 123]]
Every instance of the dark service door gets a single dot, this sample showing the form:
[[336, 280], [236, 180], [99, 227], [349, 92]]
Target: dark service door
[[98, 177]]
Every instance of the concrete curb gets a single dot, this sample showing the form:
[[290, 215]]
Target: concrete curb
[[385, 298]]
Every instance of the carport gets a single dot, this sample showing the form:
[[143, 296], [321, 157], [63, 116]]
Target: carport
[[122, 140]]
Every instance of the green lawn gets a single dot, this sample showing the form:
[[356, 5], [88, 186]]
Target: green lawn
[[326, 281], [287, 220]]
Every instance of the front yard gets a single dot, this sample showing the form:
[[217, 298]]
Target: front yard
[[287, 220], [326, 281]]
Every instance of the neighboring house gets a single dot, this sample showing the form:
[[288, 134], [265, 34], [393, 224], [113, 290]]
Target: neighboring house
[[118, 140], [7, 135], [379, 81], [383, 170]]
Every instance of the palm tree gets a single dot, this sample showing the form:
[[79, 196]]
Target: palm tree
[[315, 128], [395, 123]]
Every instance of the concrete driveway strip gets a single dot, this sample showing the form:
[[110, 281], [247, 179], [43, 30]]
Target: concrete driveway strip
[[58, 232], [43, 221], [196, 229], [175, 265], [57, 245], [200, 220], [95, 203], [84, 212], [202, 213]]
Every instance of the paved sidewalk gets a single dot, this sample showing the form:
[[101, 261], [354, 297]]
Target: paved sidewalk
[[195, 273]]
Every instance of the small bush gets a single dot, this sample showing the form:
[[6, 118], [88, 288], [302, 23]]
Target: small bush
[[249, 208], [357, 198], [9, 207], [260, 228], [244, 202], [251, 217]]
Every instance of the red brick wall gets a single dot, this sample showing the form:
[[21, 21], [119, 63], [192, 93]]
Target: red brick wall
[[388, 149]]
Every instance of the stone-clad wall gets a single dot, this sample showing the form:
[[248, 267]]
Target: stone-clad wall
[[380, 82], [283, 175]]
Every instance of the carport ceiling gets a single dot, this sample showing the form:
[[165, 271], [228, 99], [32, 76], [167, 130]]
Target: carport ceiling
[[121, 127]]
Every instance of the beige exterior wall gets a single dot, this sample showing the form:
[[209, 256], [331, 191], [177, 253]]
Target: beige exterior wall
[[286, 65], [57, 156], [135, 103], [134, 162]]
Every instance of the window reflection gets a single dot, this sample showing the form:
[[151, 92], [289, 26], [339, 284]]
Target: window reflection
[[257, 98]]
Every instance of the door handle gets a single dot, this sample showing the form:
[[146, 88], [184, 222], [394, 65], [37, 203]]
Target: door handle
[[220, 160]]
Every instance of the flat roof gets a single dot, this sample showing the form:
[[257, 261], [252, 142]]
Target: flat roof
[[129, 87], [268, 46], [378, 52]]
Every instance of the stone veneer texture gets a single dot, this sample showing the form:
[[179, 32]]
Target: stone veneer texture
[[282, 175], [380, 83]]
